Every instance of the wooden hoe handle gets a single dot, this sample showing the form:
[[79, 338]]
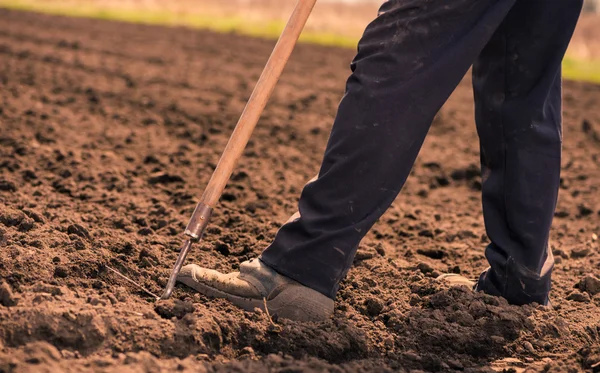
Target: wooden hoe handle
[[257, 102]]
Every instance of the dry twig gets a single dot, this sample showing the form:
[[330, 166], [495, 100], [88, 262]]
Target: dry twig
[[275, 328], [133, 282]]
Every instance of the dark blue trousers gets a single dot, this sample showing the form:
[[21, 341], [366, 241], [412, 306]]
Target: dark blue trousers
[[410, 59]]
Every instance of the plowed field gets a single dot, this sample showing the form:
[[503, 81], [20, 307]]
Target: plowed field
[[109, 133]]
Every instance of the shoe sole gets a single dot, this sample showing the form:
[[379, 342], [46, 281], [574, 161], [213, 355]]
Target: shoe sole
[[315, 306]]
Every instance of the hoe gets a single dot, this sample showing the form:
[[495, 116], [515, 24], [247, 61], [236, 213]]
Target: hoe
[[241, 134]]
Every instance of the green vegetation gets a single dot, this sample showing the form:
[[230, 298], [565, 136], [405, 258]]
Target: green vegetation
[[228, 24], [581, 70], [572, 68]]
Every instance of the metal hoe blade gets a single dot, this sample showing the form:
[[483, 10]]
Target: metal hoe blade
[[194, 231], [185, 249]]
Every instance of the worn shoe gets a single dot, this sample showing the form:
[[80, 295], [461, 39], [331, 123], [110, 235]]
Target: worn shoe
[[255, 285], [454, 279]]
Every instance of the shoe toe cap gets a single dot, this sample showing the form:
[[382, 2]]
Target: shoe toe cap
[[454, 279], [206, 281]]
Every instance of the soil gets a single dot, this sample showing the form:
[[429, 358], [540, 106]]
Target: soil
[[109, 133]]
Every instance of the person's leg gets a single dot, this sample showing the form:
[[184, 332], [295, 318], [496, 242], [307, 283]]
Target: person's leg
[[517, 85], [409, 61]]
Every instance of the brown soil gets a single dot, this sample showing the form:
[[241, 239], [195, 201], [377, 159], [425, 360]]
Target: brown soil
[[108, 134]]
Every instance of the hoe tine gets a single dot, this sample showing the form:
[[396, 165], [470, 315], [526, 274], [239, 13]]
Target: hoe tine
[[185, 249], [194, 231]]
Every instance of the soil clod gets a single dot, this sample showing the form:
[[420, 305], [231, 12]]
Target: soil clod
[[7, 298], [173, 308]]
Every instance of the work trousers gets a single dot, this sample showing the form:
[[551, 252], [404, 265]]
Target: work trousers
[[409, 60]]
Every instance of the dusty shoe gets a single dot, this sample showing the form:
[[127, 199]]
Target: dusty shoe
[[255, 284], [454, 279]]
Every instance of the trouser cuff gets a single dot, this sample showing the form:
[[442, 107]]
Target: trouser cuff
[[516, 283]]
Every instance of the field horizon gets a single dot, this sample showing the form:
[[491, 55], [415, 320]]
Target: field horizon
[[332, 23]]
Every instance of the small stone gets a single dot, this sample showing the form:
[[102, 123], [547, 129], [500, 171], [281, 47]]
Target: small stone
[[594, 237], [248, 351], [589, 284], [528, 347], [578, 296]]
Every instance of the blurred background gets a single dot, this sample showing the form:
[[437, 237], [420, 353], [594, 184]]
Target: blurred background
[[333, 22]]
